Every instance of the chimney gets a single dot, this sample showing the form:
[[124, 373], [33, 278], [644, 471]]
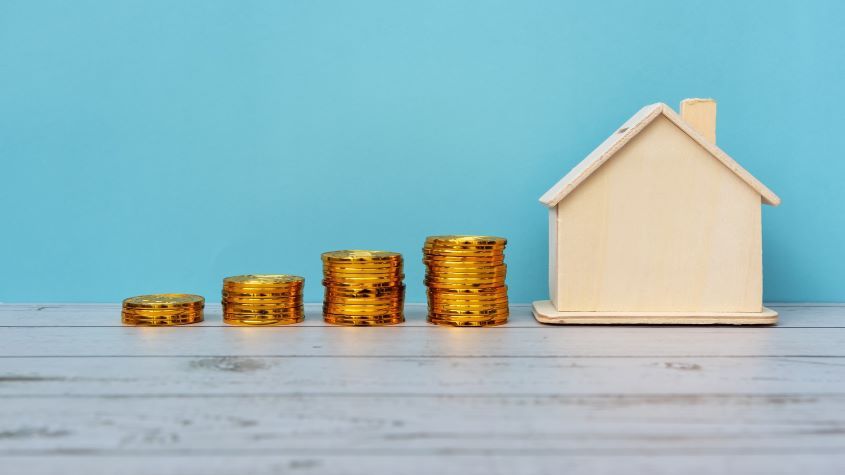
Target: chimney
[[701, 115]]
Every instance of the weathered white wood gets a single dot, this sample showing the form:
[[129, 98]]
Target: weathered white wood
[[230, 375], [445, 462], [545, 312], [430, 342], [415, 398], [373, 423]]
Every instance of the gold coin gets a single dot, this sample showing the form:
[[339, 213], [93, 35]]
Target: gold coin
[[262, 292], [365, 305], [455, 279], [469, 312], [481, 290], [466, 286], [360, 312], [368, 270], [467, 239], [432, 302], [463, 252], [154, 312], [466, 267], [264, 280], [468, 315], [354, 320], [262, 300], [268, 319], [354, 276], [436, 297], [445, 253], [466, 275], [256, 294], [484, 310], [360, 285], [437, 270], [261, 306], [381, 293], [486, 321], [164, 301], [236, 319], [492, 249], [458, 261], [470, 267], [361, 256], [184, 317]]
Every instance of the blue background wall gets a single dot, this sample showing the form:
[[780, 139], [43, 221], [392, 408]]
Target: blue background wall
[[152, 146]]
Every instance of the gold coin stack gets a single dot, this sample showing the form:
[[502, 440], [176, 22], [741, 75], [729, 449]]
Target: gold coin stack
[[162, 309], [465, 276], [263, 299], [363, 288]]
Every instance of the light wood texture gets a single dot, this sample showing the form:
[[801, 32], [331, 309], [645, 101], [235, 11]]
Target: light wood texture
[[661, 228], [668, 231], [545, 312], [701, 115], [627, 132], [83, 394], [554, 242]]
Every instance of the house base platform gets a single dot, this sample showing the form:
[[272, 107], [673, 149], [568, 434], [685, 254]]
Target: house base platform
[[545, 312]]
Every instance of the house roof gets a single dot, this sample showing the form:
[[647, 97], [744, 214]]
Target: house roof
[[628, 131]]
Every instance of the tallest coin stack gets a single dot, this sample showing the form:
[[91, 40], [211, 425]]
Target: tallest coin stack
[[465, 276]]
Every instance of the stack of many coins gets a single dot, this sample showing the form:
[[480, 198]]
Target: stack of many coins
[[465, 276], [268, 299], [163, 309], [363, 288]]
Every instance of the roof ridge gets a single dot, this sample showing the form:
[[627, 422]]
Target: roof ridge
[[630, 129]]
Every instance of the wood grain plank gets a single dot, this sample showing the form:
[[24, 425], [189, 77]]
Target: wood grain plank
[[445, 462], [47, 377], [242, 425], [430, 342]]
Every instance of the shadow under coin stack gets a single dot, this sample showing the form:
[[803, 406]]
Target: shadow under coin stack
[[162, 310], [263, 299], [465, 276], [363, 288]]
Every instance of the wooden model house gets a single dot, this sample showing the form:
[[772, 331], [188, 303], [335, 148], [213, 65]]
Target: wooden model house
[[657, 225]]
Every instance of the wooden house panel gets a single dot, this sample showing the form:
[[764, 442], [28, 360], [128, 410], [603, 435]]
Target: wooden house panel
[[662, 226]]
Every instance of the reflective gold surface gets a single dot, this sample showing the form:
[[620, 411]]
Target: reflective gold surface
[[263, 299], [465, 276], [363, 287], [162, 309]]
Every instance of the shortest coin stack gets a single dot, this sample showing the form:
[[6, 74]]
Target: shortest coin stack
[[263, 299], [162, 309], [465, 276], [363, 288]]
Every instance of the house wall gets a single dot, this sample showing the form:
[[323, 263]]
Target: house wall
[[662, 226], [553, 258]]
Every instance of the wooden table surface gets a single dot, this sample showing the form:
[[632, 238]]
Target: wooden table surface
[[82, 394]]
